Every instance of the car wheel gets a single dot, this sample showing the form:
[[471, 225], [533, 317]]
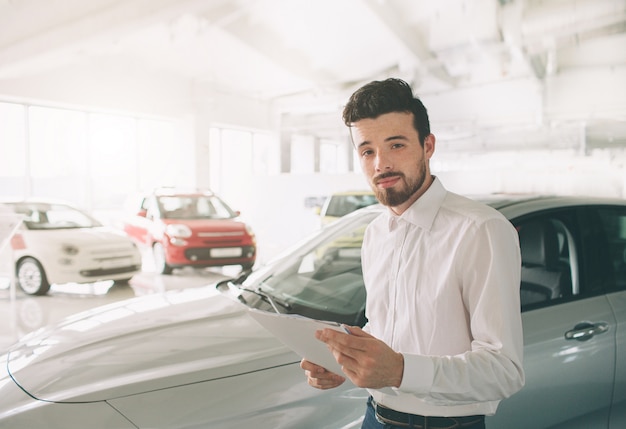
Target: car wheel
[[31, 277], [160, 264]]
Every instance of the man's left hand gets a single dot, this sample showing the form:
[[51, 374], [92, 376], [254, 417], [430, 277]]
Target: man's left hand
[[366, 360]]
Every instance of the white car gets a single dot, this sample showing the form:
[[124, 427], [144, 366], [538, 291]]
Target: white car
[[196, 358], [57, 244]]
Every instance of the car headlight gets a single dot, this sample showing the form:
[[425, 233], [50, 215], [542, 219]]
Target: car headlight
[[178, 231], [69, 249], [249, 230]]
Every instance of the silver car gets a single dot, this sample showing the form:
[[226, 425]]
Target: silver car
[[196, 359]]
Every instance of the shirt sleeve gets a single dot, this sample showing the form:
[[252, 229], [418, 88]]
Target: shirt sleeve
[[488, 270]]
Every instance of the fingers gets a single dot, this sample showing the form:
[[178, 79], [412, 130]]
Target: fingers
[[310, 366], [319, 377], [365, 360], [350, 345], [328, 334], [357, 332]]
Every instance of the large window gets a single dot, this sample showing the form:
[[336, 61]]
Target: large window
[[58, 157], [237, 159], [163, 159], [112, 149], [334, 157], [265, 155], [89, 159], [13, 152], [302, 154]]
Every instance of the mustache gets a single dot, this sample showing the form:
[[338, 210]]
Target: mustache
[[386, 175]]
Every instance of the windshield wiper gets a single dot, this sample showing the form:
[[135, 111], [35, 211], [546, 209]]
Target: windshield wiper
[[269, 298]]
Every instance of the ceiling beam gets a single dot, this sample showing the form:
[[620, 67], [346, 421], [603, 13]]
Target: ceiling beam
[[65, 31], [267, 42], [395, 23]]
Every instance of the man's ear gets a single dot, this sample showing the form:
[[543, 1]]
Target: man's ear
[[429, 145]]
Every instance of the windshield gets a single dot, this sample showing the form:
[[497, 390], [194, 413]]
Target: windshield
[[194, 207], [341, 205], [53, 216], [320, 278]]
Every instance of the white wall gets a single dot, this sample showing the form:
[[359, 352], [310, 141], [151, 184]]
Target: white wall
[[275, 206]]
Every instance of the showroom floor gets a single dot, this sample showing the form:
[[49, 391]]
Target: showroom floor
[[21, 313]]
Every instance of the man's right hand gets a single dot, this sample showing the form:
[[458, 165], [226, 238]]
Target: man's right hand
[[320, 377]]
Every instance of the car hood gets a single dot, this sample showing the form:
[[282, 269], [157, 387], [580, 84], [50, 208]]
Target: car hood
[[144, 344], [211, 224]]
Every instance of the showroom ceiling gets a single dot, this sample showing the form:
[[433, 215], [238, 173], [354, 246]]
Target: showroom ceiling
[[307, 56]]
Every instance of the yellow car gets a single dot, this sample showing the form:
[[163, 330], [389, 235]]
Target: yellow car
[[342, 203]]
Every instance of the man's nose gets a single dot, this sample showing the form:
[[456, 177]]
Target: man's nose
[[382, 163]]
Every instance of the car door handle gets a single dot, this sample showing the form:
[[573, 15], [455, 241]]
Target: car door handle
[[586, 330]]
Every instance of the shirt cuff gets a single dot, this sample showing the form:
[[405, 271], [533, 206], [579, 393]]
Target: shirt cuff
[[418, 374]]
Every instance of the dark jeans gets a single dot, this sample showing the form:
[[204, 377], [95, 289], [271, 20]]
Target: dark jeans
[[370, 422]]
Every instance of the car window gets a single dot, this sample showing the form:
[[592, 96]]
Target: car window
[[145, 204], [322, 280], [597, 270], [341, 205], [152, 207], [53, 216], [572, 253], [605, 230], [194, 207], [550, 268]]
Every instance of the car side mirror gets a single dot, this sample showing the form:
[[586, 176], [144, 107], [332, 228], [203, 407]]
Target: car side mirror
[[142, 213]]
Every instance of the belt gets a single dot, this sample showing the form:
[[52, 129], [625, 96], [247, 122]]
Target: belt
[[397, 418]]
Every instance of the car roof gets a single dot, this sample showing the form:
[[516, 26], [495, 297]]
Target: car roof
[[183, 191], [515, 205]]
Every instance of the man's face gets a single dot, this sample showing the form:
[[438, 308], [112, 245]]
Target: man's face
[[393, 159]]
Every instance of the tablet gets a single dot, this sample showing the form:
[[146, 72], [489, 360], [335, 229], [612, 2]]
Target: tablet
[[298, 333]]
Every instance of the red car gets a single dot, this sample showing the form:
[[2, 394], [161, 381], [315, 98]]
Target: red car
[[191, 229]]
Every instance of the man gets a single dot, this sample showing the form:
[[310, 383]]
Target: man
[[443, 342]]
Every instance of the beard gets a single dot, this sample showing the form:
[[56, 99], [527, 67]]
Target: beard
[[409, 186]]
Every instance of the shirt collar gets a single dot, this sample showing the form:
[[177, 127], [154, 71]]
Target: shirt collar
[[423, 211]]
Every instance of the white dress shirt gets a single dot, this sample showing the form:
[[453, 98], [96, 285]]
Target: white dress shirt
[[442, 286]]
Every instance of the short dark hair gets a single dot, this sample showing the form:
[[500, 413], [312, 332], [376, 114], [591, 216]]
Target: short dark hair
[[391, 95]]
